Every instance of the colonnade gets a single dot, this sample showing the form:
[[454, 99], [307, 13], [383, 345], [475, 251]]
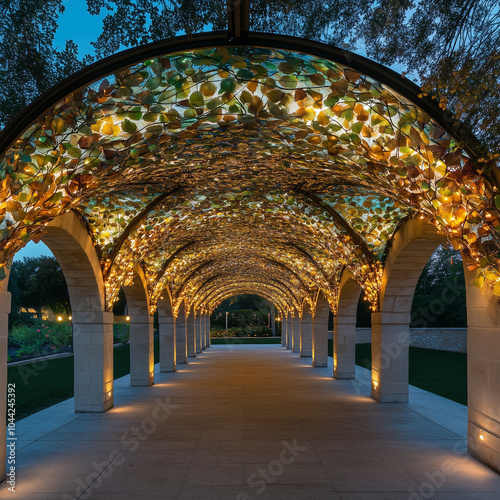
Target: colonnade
[[305, 332]]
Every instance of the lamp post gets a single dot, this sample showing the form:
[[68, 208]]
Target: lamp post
[[227, 320]]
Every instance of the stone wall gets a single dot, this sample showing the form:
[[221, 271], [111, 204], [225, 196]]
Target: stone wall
[[441, 339]]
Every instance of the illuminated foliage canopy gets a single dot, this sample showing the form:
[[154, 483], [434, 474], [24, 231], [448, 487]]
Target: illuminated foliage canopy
[[243, 169]]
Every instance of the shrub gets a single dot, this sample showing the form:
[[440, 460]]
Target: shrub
[[252, 331], [40, 335], [218, 333], [259, 331], [121, 332]]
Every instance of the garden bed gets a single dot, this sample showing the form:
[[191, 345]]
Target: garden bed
[[38, 338], [245, 340]]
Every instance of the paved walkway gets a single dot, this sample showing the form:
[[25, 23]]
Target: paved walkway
[[250, 422]]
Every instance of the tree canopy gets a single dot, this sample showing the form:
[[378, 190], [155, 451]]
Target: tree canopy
[[38, 282]]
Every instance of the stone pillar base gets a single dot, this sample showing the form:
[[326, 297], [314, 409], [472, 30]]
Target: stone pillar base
[[141, 351], [4, 326], [344, 347], [390, 354], [93, 354]]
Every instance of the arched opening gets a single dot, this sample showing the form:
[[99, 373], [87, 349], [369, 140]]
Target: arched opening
[[92, 325], [244, 315], [141, 331], [411, 248], [344, 334]]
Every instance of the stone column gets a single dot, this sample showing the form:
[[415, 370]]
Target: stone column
[[273, 321], [207, 329], [283, 329], [344, 346], [203, 334], [191, 334], [289, 332], [296, 333], [181, 335], [483, 372], [320, 332], [93, 354], [306, 332], [344, 329], [411, 248], [4, 328], [141, 350], [167, 334], [390, 357], [197, 333]]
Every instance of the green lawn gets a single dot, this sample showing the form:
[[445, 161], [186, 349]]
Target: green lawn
[[440, 372], [45, 383], [246, 340]]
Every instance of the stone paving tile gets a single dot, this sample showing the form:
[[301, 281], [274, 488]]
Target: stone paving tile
[[275, 492], [253, 421]]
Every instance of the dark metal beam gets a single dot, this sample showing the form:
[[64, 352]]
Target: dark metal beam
[[238, 12]]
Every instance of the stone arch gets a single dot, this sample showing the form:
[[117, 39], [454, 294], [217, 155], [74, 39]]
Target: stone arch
[[344, 328], [141, 330], [74, 250], [412, 246]]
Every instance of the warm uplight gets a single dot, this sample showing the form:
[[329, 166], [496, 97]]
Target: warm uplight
[[481, 436], [128, 318], [375, 384], [70, 318], [109, 394], [59, 318]]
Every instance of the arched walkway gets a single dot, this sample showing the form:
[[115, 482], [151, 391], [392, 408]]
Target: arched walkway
[[224, 163]]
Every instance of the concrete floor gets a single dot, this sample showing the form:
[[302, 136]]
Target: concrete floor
[[248, 422]]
